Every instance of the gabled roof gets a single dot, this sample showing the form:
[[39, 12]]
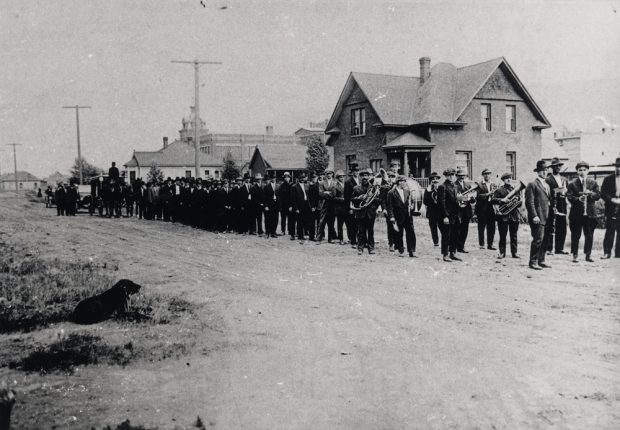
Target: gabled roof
[[22, 176], [409, 140], [278, 156], [177, 154], [56, 177], [401, 101]]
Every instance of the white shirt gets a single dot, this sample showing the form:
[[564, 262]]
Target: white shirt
[[559, 180], [544, 184], [303, 188], [401, 194]]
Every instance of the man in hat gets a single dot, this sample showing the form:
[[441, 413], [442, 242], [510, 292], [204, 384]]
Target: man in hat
[[246, 215], [340, 209], [557, 222], [349, 185], [433, 211], [465, 209], [284, 194], [386, 186], [271, 204], [610, 192], [484, 210], [394, 168], [236, 200], [538, 202], [327, 216], [400, 217], [313, 195], [509, 221], [449, 209], [257, 205], [302, 208], [582, 192], [113, 172], [59, 198], [365, 215]]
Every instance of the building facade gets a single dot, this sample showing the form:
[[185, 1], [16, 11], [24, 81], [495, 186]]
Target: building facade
[[25, 181], [473, 117]]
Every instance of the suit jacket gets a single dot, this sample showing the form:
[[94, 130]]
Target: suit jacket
[[431, 202], [537, 201], [297, 196], [326, 191], [340, 207], [574, 188], [484, 207], [284, 194], [465, 212], [244, 197], [271, 197], [557, 202], [369, 211], [397, 208], [446, 199], [349, 184], [313, 195], [608, 192], [498, 195]]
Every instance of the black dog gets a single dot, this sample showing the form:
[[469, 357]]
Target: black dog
[[101, 307]]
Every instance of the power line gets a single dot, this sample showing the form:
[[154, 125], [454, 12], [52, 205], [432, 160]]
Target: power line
[[14, 145], [197, 124], [77, 120]]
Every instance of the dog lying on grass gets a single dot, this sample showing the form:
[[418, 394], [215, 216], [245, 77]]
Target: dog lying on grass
[[102, 306]]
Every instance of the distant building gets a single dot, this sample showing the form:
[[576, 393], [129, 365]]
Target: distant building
[[25, 181], [473, 117], [314, 129], [56, 178], [277, 159]]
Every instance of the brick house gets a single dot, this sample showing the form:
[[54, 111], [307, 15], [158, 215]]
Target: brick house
[[474, 117]]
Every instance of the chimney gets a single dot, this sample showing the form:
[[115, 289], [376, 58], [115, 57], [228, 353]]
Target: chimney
[[269, 130], [165, 142], [425, 69]]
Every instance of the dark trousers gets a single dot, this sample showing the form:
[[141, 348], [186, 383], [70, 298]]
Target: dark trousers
[[327, 218], [283, 217], [258, 221], [612, 229], [433, 223], [166, 210], [408, 229], [577, 225], [555, 232], [449, 237], [305, 221], [271, 221], [486, 222], [60, 209], [462, 234], [341, 218], [351, 223], [390, 232], [292, 219], [129, 208], [503, 227], [537, 250], [365, 233]]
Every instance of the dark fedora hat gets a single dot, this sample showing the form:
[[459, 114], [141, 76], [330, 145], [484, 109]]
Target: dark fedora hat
[[541, 165], [506, 175], [434, 175], [449, 171], [555, 161]]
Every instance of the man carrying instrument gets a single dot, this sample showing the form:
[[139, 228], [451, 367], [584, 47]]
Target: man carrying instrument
[[326, 215], [340, 210], [537, 202], [557, 223], [364, 202], [507, 220], [484, 210], [582, 193], [387, 185], [351, 183], [399, 215], [465, 200], [449, 209], [433, 211], [610, 192]]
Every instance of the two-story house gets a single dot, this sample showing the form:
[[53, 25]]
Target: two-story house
[[473, 117]]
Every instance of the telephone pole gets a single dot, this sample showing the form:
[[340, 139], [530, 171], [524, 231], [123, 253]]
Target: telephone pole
[[77, 120], [14, 145], [197, 124]]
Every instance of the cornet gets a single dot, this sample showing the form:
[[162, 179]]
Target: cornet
[[583, 197]]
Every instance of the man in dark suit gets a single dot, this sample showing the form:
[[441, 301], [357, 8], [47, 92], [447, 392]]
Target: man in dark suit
[[365, 216], [557, 223], [509, 221], [59, 198], [284, 194], [400, 217], [465, 210], [449, 209], [113, 172], [537, 202], [302, 207], [484, 210], [349, 184], [610, 192], [247, 219], [257, 205], [582, 192], [341, 211], [433, 211], [326, 195], [271, 205]]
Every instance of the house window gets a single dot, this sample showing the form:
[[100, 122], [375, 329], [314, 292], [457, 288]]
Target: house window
[[358, 122], [511, 164], [188, 173], [21, 185], [511, 118], [206, 173], [485, 114], [217, 174], [376, 164], [350, 159], [463, 161]]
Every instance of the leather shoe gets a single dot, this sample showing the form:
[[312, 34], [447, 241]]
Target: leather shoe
[[535, 266], [606, 257], [359, 252], [516, 256], [589, 259], [447, 259], [492, 248], [543, 265], [412, 255], [454, 257], [561, 252], [462, 251], [501, 255], [391, 248], [575, 259], [371, 251], [481, 246]]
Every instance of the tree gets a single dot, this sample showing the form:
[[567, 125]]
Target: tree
[[155, 174], [230, 171], [88, 171], [317, 156]]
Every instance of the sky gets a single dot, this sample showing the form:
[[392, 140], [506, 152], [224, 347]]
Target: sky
[[284, 63]]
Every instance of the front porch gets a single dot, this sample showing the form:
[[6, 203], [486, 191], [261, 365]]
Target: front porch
[[414, 155]]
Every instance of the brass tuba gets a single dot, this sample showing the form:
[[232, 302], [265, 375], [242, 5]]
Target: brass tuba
[[513, 200], [374, 190]]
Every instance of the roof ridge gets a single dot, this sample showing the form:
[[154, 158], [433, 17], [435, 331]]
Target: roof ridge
[[482, 62], [386, 74]]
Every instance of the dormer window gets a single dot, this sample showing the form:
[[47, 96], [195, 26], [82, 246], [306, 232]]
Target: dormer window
[[358, 122]]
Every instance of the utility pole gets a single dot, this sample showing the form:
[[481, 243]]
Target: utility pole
[[77, 120], [14, 145], [197, 124]]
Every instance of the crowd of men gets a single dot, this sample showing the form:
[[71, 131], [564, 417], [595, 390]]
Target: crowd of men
[[306, 207]]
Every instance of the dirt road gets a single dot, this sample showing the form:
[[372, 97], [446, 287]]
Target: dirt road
[[313, 337]]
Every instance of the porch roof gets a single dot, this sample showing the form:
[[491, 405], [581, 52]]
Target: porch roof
[[408, 140]]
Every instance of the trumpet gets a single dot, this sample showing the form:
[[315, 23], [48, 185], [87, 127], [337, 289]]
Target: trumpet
[[464, 196]]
